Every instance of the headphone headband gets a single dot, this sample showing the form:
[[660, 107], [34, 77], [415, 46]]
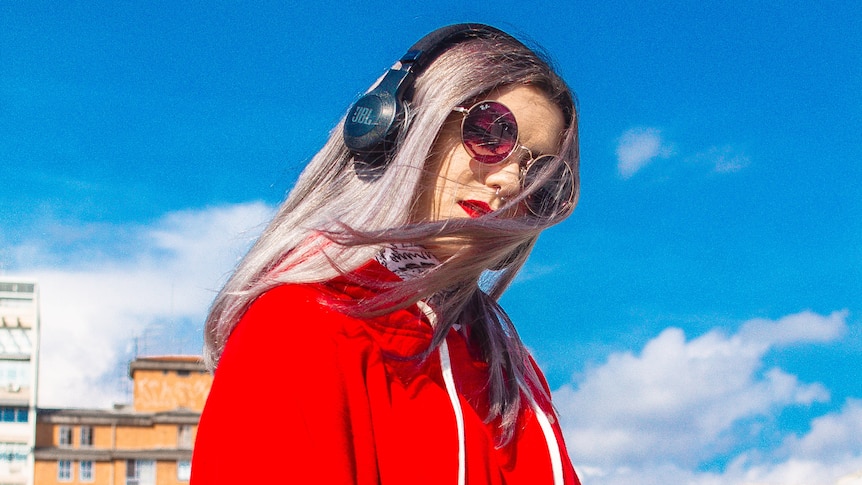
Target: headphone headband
[[374, 120], [426, 49]]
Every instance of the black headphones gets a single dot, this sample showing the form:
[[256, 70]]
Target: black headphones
[[373, 122]]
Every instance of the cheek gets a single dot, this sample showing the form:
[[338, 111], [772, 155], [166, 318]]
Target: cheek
[[454, 177], [453, 165], [458, 165]]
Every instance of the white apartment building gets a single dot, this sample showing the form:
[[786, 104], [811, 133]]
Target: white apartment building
[[19, 351]]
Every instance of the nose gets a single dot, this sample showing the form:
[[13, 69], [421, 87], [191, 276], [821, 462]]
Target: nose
[[505, 178]]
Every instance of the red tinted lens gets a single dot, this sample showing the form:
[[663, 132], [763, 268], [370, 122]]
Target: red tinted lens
[[489, 132]]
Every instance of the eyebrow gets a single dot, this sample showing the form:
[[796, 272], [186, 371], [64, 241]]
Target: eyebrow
[[532, 144]]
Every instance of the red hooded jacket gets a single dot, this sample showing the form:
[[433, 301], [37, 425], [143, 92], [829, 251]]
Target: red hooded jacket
[[306, 394]]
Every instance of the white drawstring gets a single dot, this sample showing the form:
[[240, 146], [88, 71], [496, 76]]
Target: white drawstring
[[553, 446], [449, 380], [446, 367]]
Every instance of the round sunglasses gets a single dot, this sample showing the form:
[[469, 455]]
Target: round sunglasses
[[489, 133]]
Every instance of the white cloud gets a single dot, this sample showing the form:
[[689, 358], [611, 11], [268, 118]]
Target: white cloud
[[637, 147], [155, 284], [791, 472], [724, 159], [832, 437], [801, 327], [829, 450], [654, 417]]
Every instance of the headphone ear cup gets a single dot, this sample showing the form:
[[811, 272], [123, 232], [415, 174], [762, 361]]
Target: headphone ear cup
[[371, 122]]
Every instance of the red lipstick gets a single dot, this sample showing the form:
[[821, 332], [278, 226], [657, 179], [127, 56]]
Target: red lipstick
[[475, 208]]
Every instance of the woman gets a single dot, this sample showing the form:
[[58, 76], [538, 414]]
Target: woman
[[360, 339]]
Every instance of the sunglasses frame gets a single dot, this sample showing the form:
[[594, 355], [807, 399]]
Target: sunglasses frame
[[525, 165]]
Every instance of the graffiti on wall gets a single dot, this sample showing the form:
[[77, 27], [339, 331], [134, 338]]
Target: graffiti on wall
[[158, 394]]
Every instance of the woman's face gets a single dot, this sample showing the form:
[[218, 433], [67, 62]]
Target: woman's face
[[464, 187]]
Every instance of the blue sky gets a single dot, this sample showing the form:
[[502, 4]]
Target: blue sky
[[698, 316]]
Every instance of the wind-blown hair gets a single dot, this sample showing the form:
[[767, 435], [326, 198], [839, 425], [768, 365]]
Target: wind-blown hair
[[335, 220]]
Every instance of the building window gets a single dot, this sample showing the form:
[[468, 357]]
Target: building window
[[13, 415], [65, 438], [17, 287], [14, 374], [140, 472], [85, 471], [86, 436], [13, 453], [64, 471], [184, 470], [184, 437]]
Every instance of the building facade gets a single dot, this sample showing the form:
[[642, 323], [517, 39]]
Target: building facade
[[147, 443], [19, 364]]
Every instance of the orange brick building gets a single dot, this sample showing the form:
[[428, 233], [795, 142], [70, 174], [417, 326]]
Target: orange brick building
[[147, 443]]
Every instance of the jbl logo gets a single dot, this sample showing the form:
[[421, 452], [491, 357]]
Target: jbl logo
[[362, 115]]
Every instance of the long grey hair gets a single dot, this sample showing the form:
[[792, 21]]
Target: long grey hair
[[334, 221]]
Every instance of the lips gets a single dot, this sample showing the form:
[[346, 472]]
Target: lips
[[475, 208]]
